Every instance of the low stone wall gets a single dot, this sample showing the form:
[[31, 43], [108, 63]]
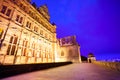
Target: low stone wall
[[10, 70], [110, 65]]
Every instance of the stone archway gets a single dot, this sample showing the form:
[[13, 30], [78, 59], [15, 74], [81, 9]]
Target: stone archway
[[89, 60]]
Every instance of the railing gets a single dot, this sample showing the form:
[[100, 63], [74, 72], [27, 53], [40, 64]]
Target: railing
[[109, 65]]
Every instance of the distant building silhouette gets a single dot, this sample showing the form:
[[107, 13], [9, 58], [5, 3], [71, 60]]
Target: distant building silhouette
[[83, 58], [91, 57], [68, 49]]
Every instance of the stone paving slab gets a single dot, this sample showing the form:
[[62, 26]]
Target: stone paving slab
[[81, 71]]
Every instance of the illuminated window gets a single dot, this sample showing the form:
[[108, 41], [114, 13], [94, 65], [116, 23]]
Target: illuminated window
[[49, 37], [33, 49], [41, 32], [19, 18], [22, 6], [8, 12], [28, 24], [48, 56], [40, 54], [62, 53], [12, 45], [29, 12], [37, 54], [46, 35], [36, 29], [24, 47], [4, 8]]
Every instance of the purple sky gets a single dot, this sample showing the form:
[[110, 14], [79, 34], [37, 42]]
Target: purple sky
[[96, 23]]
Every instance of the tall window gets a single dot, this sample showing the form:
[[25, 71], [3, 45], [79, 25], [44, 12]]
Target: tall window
[[28, 24], [24, 47], [36, 29], [62, 53], [46, 36], [22, 6], [37, 54], [19, 18], [33, 49], [41, 32], [6, 10], [12, 45], [49, 38], [39, 50]]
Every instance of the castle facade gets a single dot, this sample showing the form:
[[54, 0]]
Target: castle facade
[[26, 34]]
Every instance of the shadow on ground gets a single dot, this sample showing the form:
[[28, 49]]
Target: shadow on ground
[[12, 70]]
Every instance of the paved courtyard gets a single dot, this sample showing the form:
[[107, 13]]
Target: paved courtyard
[[82, 71]]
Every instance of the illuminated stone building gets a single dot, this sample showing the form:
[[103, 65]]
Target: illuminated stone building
[[26, 34], [91, 57], [68, 50]]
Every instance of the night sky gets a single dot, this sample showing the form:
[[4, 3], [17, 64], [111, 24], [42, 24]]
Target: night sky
[[96, 24]]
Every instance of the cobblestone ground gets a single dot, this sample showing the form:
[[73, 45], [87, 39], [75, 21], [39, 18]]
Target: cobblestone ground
[[82, 71]]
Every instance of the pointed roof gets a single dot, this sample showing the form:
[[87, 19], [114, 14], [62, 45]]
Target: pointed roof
[[44, 11], [91, 55]]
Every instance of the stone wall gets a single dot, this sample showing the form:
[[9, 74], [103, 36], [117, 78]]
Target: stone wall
[[109, 65], [68, 50], [68, 53]]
